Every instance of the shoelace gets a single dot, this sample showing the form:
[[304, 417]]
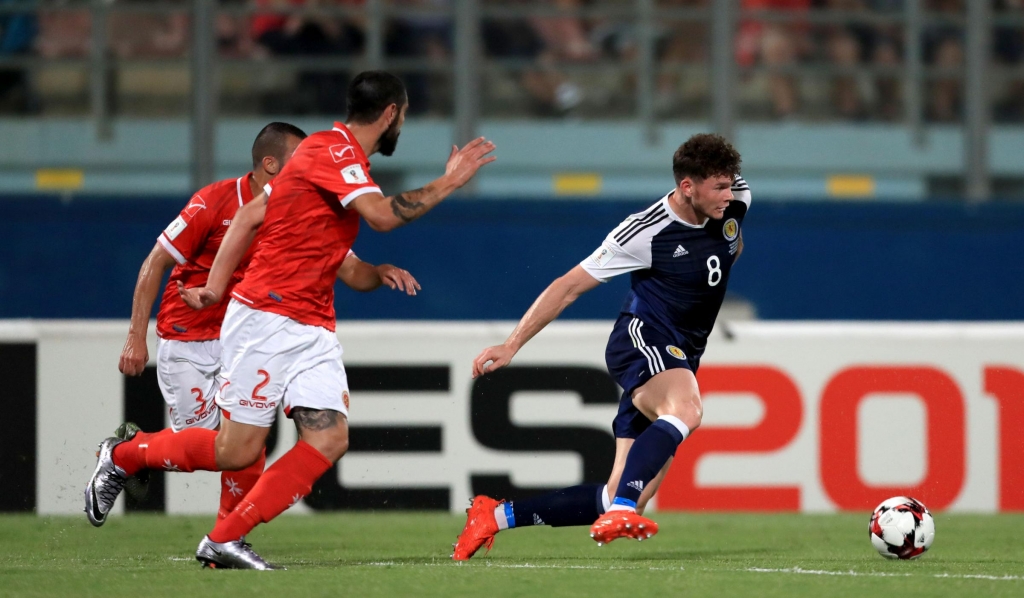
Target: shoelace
[[110, 488], [250, 553]]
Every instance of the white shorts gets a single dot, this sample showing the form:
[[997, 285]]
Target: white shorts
[[189, 376], [272, 360]]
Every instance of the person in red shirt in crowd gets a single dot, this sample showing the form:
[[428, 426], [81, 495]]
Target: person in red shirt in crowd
[[188, 353], [279, 345], [776, 45]]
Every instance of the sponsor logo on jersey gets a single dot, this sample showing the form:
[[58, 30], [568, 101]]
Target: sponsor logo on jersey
[[342, 152], [354, 174], [194, 206], [603, 255], [174, 229], [730, 229], [198, 418], [680, 252], [344, 398], [226, 223], [675, 351], [258, 404]]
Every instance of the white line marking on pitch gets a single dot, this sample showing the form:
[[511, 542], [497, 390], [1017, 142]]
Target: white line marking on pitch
[[800, 571], [517, 566]]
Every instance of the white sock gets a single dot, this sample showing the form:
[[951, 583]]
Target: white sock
[[621, 508], [500, 518], [606, 502]]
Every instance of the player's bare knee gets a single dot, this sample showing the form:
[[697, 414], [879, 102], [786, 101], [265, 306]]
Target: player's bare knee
[[690, 411], [331, 444]]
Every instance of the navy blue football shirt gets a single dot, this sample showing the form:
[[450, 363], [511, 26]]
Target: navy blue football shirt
[[679, 271]]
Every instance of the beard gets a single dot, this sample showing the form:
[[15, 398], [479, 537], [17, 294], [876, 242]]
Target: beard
[[389, 140]]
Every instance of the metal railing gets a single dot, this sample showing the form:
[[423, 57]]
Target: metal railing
[[468, 66]]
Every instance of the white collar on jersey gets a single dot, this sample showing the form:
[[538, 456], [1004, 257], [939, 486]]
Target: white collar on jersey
[[672, 213]]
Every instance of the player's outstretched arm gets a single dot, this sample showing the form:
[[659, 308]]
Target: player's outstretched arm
[[364, 277], [135, 354], [388, 213], [236, 242], [559, 295]]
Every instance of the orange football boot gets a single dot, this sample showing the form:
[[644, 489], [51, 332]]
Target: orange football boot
[[480, 528], [622, 524]]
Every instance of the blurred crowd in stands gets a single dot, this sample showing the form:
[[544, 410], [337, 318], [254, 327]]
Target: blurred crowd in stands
[[541, 64]]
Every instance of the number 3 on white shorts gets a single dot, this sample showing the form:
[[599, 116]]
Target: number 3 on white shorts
[[714, 271]]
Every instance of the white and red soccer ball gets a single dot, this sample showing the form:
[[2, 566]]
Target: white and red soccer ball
[[901, 528]]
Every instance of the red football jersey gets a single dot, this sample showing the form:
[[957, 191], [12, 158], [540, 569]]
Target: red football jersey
[[308, 229], [193, 240]]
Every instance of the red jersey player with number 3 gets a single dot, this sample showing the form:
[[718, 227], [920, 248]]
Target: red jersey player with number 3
[[188, 351], [278, 341]]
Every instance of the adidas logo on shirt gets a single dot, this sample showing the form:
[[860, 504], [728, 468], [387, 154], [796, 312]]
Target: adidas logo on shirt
[[637, 485], [680, 252]]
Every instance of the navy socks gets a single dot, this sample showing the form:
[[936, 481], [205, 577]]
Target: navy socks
[[651, 450], [576, 505]]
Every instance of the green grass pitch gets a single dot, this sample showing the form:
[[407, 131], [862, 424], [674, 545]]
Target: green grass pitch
[[388, 554]]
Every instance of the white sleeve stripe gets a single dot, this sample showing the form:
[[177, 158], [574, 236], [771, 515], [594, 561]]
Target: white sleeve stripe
[[361, 191], [238, 189], [171, 249]]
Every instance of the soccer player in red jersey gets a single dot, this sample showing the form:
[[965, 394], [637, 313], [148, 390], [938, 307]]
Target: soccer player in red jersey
[[188, 354], [278, 341]]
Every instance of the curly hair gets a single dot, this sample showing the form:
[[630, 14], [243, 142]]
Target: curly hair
[[705, 155]]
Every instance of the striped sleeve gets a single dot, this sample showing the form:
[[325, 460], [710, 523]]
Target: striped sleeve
[[628, 246], [741, 190]]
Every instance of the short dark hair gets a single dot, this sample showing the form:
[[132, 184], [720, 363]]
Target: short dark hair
[[370, 93], [705, 155], [271, 141]]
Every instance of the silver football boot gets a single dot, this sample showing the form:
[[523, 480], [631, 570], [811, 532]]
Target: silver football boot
[[105, 485], [231, 555]]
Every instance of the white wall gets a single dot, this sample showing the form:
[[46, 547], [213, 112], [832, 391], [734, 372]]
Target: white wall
[[80, 401]]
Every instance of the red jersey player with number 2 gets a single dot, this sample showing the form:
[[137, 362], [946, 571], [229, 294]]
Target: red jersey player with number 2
[[278, 341], [188, 351]]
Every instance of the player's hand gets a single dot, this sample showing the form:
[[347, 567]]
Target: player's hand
[[463, 163], [398, 279], [499, 356], [197, 297], [134, 356]]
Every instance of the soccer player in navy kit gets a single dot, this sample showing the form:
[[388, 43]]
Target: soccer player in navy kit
[[679, 253]]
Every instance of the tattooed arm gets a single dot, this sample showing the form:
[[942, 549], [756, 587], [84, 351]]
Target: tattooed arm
[[388, 213]]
